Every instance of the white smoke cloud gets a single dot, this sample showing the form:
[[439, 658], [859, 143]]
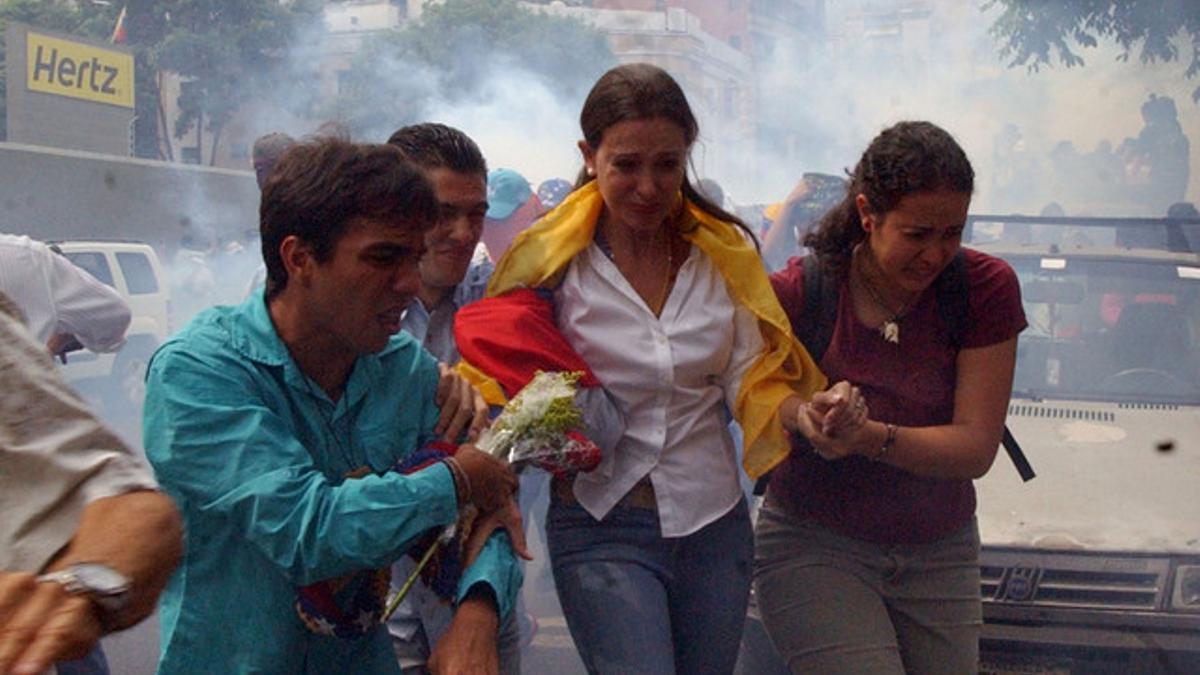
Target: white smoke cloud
[[519, 123], [946, 68]]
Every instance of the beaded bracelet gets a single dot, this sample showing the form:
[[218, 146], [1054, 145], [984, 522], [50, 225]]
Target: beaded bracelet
[[887, 443]]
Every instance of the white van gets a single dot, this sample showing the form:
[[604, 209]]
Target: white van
[[133, 269]]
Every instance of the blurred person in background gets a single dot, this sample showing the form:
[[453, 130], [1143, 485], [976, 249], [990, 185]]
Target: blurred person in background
[[552, 191], [1184, 236], [1175, 236], [663, 295], [452, 275], [512, 207], [266, 152], [86, 540], [191, 277], [867, 549], [791, 219], [65, 308], [287, 429]]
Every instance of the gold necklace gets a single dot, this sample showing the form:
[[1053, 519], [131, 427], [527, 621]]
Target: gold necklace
[[890, 328], [666, 287], [660, 301]]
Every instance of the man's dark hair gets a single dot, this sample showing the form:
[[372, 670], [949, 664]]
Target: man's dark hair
[[432, 145], [320, 185], [1183, 210]]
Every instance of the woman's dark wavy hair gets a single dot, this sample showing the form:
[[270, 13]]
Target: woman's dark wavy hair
[[639, 91], [905, 158]]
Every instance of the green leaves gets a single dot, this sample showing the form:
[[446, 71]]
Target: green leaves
[[227, 51], [1034, 33]]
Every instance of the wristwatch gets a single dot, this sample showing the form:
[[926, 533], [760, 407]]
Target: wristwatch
[[106, 587]]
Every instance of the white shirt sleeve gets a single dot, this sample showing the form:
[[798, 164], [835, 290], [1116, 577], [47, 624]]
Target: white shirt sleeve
[[55, 456], [84, 307], [747, 347]]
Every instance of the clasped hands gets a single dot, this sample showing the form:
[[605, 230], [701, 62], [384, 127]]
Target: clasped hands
[[835, 422]]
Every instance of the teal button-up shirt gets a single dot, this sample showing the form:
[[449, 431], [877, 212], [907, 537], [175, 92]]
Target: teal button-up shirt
[[255, 455]]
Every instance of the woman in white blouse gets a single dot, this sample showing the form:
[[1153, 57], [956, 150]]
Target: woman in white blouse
[[664, 295]]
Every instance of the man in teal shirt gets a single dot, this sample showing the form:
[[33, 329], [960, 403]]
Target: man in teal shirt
[[276, 424]]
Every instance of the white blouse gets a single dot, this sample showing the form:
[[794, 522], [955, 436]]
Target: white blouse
[[672, 376]]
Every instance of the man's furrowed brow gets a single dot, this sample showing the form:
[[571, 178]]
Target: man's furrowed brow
[[393, 249]]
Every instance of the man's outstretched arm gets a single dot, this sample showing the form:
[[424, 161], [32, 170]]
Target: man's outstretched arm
[[137, 534]]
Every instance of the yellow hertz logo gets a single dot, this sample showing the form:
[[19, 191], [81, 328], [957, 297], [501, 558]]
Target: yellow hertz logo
[[78, 70]]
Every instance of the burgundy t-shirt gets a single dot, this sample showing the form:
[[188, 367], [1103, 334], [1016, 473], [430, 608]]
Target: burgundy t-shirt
[[910, 384]]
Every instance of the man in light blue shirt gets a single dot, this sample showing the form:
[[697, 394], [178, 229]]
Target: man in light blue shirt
[[433, 325], [454, 272], [455, 269], [276, 425]]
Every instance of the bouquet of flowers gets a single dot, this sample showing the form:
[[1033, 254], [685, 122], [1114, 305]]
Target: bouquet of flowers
[[540, 426]]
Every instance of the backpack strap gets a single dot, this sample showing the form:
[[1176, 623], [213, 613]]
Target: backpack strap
[[952, 300], [821, 296], [951, 289]]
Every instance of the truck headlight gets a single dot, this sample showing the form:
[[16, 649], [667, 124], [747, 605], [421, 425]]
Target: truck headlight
[[1187, 588]]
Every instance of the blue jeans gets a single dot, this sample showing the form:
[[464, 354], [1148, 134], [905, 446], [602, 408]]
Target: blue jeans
[[637, 603]]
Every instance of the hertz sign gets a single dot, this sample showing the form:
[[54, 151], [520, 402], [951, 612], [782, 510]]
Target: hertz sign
[[66, 68]]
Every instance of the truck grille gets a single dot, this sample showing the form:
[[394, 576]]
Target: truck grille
[[1147, 406], [1022, 410], [1057, 580]]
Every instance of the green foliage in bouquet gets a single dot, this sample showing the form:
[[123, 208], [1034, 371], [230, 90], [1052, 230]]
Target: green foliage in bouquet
[[539, 415]]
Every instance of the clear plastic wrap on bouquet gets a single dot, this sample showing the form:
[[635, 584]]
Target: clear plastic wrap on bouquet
[[540, 426]]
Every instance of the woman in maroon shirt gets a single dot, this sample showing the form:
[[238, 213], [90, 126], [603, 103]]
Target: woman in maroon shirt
[[867, 548]]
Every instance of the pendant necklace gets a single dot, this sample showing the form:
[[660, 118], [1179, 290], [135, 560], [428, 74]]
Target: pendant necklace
[[889, 330]]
